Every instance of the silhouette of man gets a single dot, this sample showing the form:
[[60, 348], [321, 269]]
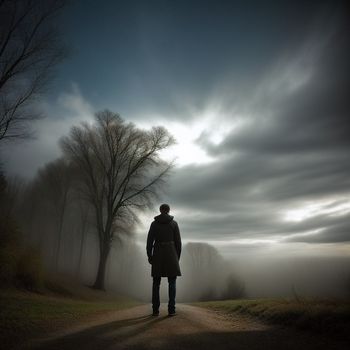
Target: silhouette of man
[[163, 251]]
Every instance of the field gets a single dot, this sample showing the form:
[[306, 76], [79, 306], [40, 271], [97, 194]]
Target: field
[[25, 315], [326, 316]]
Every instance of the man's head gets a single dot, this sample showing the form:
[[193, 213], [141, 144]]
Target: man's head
[[164, 208]]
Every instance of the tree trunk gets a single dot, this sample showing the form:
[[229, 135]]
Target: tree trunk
[[58, 245], [100, 278], [60, 229], [83, 230], [81, 250], [59, 238]]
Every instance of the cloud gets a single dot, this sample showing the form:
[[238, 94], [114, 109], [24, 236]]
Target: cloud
[[290, 148], [259, 107]]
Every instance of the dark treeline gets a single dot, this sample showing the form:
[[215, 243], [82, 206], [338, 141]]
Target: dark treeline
[[52, 229]]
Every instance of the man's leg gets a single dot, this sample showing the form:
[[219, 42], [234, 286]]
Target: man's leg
[[155, 295], [172, 295]]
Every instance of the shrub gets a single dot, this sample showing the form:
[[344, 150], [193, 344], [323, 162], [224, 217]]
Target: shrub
[[9, 251], [234, 288], [29, 272], [18, 266], [8, 262]]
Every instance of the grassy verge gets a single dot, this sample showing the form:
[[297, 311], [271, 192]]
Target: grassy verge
[[319, 315], [25, 315]]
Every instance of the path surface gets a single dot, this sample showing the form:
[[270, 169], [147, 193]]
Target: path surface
[[192, 328]]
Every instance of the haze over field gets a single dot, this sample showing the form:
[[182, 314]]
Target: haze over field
[[256, 96]]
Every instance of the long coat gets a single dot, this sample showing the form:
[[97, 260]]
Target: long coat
[[164, 246]]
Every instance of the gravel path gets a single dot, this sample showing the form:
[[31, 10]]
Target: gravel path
[[192, 328]]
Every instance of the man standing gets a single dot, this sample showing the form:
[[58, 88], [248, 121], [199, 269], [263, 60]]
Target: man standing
[[163, 251]]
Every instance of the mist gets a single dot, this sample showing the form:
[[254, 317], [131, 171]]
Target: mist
[[64, 234], [206, 275]]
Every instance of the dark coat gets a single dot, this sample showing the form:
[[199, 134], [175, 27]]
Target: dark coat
[[164, 246]]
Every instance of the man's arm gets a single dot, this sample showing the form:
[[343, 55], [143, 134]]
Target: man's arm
[[150, 241], [177, 240]]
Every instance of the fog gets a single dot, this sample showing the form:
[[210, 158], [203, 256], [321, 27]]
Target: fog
[[206, 275], [63, 232]]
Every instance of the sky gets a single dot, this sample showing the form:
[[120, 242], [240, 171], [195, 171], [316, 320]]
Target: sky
[[256, 95]]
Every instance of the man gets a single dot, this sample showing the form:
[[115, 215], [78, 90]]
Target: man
[[163, 251]]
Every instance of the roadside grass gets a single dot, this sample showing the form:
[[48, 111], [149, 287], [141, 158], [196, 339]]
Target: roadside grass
[[326, 316], [25, 315]]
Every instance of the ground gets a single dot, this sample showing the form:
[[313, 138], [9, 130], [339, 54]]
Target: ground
[[192, 328]]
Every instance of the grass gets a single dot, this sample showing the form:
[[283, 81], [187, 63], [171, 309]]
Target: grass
[[326, 316], [25, 315]]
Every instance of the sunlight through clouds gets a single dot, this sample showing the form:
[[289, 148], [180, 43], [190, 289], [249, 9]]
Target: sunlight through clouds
[[209, 126], [186, 151], [331, 208]]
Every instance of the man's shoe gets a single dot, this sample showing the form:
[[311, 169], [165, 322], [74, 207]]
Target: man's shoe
[[171, 313], [155, 313]]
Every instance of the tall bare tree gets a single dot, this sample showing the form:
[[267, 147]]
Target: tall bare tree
[[83, 210], [122, 171], [56, 182], [30, 48]]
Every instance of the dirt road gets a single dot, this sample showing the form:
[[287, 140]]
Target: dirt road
[[192, 328]]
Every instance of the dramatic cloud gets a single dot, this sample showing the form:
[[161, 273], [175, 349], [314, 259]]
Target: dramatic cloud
[[288, 149], [256, 96]]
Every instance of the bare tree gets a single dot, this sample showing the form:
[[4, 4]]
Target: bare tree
[[83, 210], [202, 256], [213, 276], [30, 48], [31, 214], [56, 183], [204, 267], [4, 198], [122, 171]]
